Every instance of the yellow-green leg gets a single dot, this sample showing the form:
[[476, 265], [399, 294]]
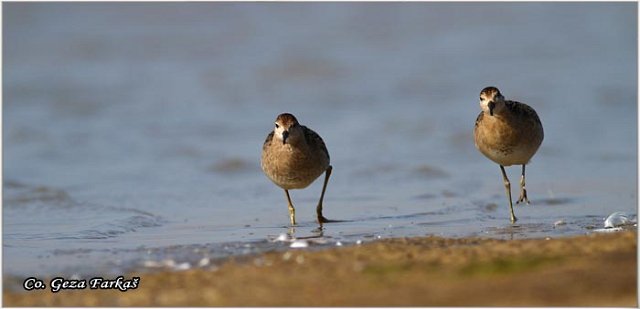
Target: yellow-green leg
[[292, 211], [507, 187], [523, 192], [321, 218]]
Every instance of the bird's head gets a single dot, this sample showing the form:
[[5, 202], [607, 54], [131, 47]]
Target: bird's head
[[287, 129], [491, 100]]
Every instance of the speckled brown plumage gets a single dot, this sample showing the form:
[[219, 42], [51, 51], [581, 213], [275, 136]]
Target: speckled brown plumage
[[510, 137], [508, 133], [293, 156]]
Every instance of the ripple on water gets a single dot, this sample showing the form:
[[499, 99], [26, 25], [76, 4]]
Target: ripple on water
[[555, 201], [16, 194], [30, 209], [430, 172], [233, 165]]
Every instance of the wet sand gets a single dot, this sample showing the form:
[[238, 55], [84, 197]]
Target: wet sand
[[592, 270]]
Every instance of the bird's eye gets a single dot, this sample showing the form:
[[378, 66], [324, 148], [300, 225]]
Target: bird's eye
[[277, 125]]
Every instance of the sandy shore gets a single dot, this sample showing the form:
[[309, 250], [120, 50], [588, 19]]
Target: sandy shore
[[594, 270]]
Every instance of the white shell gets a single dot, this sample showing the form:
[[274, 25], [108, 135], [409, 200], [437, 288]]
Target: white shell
[[617, 219]]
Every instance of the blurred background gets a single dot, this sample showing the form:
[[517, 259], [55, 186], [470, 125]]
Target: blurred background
[[132, 131]]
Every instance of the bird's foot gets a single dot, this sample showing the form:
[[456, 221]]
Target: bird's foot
[[513, 219], [523, 197], [322, 219]]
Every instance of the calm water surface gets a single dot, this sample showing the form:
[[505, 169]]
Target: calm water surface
[[132, 132]]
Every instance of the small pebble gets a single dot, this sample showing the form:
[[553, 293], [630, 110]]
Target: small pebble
[[282, 237], [169, 263], [286, 256], [151, 264], [204, 262], [559, 222], [299, 244], [182, 266]]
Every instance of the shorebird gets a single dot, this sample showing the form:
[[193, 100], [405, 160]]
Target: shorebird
[[508, 133], [293, 156]]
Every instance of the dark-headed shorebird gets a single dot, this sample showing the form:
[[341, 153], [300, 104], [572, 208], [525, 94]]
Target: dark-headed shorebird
[[508, 133], [293, 156]]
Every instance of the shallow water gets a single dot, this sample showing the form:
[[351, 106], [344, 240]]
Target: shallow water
[[132, 132]]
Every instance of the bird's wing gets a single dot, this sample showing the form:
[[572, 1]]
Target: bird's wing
[[479, 119], [314, 140], [523, 110], [267, 141]]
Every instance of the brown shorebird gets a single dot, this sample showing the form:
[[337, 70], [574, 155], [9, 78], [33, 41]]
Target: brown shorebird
[[293, 156], [508, 133]]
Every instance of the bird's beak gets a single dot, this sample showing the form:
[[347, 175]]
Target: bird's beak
[[285, 135], [491, 105]]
